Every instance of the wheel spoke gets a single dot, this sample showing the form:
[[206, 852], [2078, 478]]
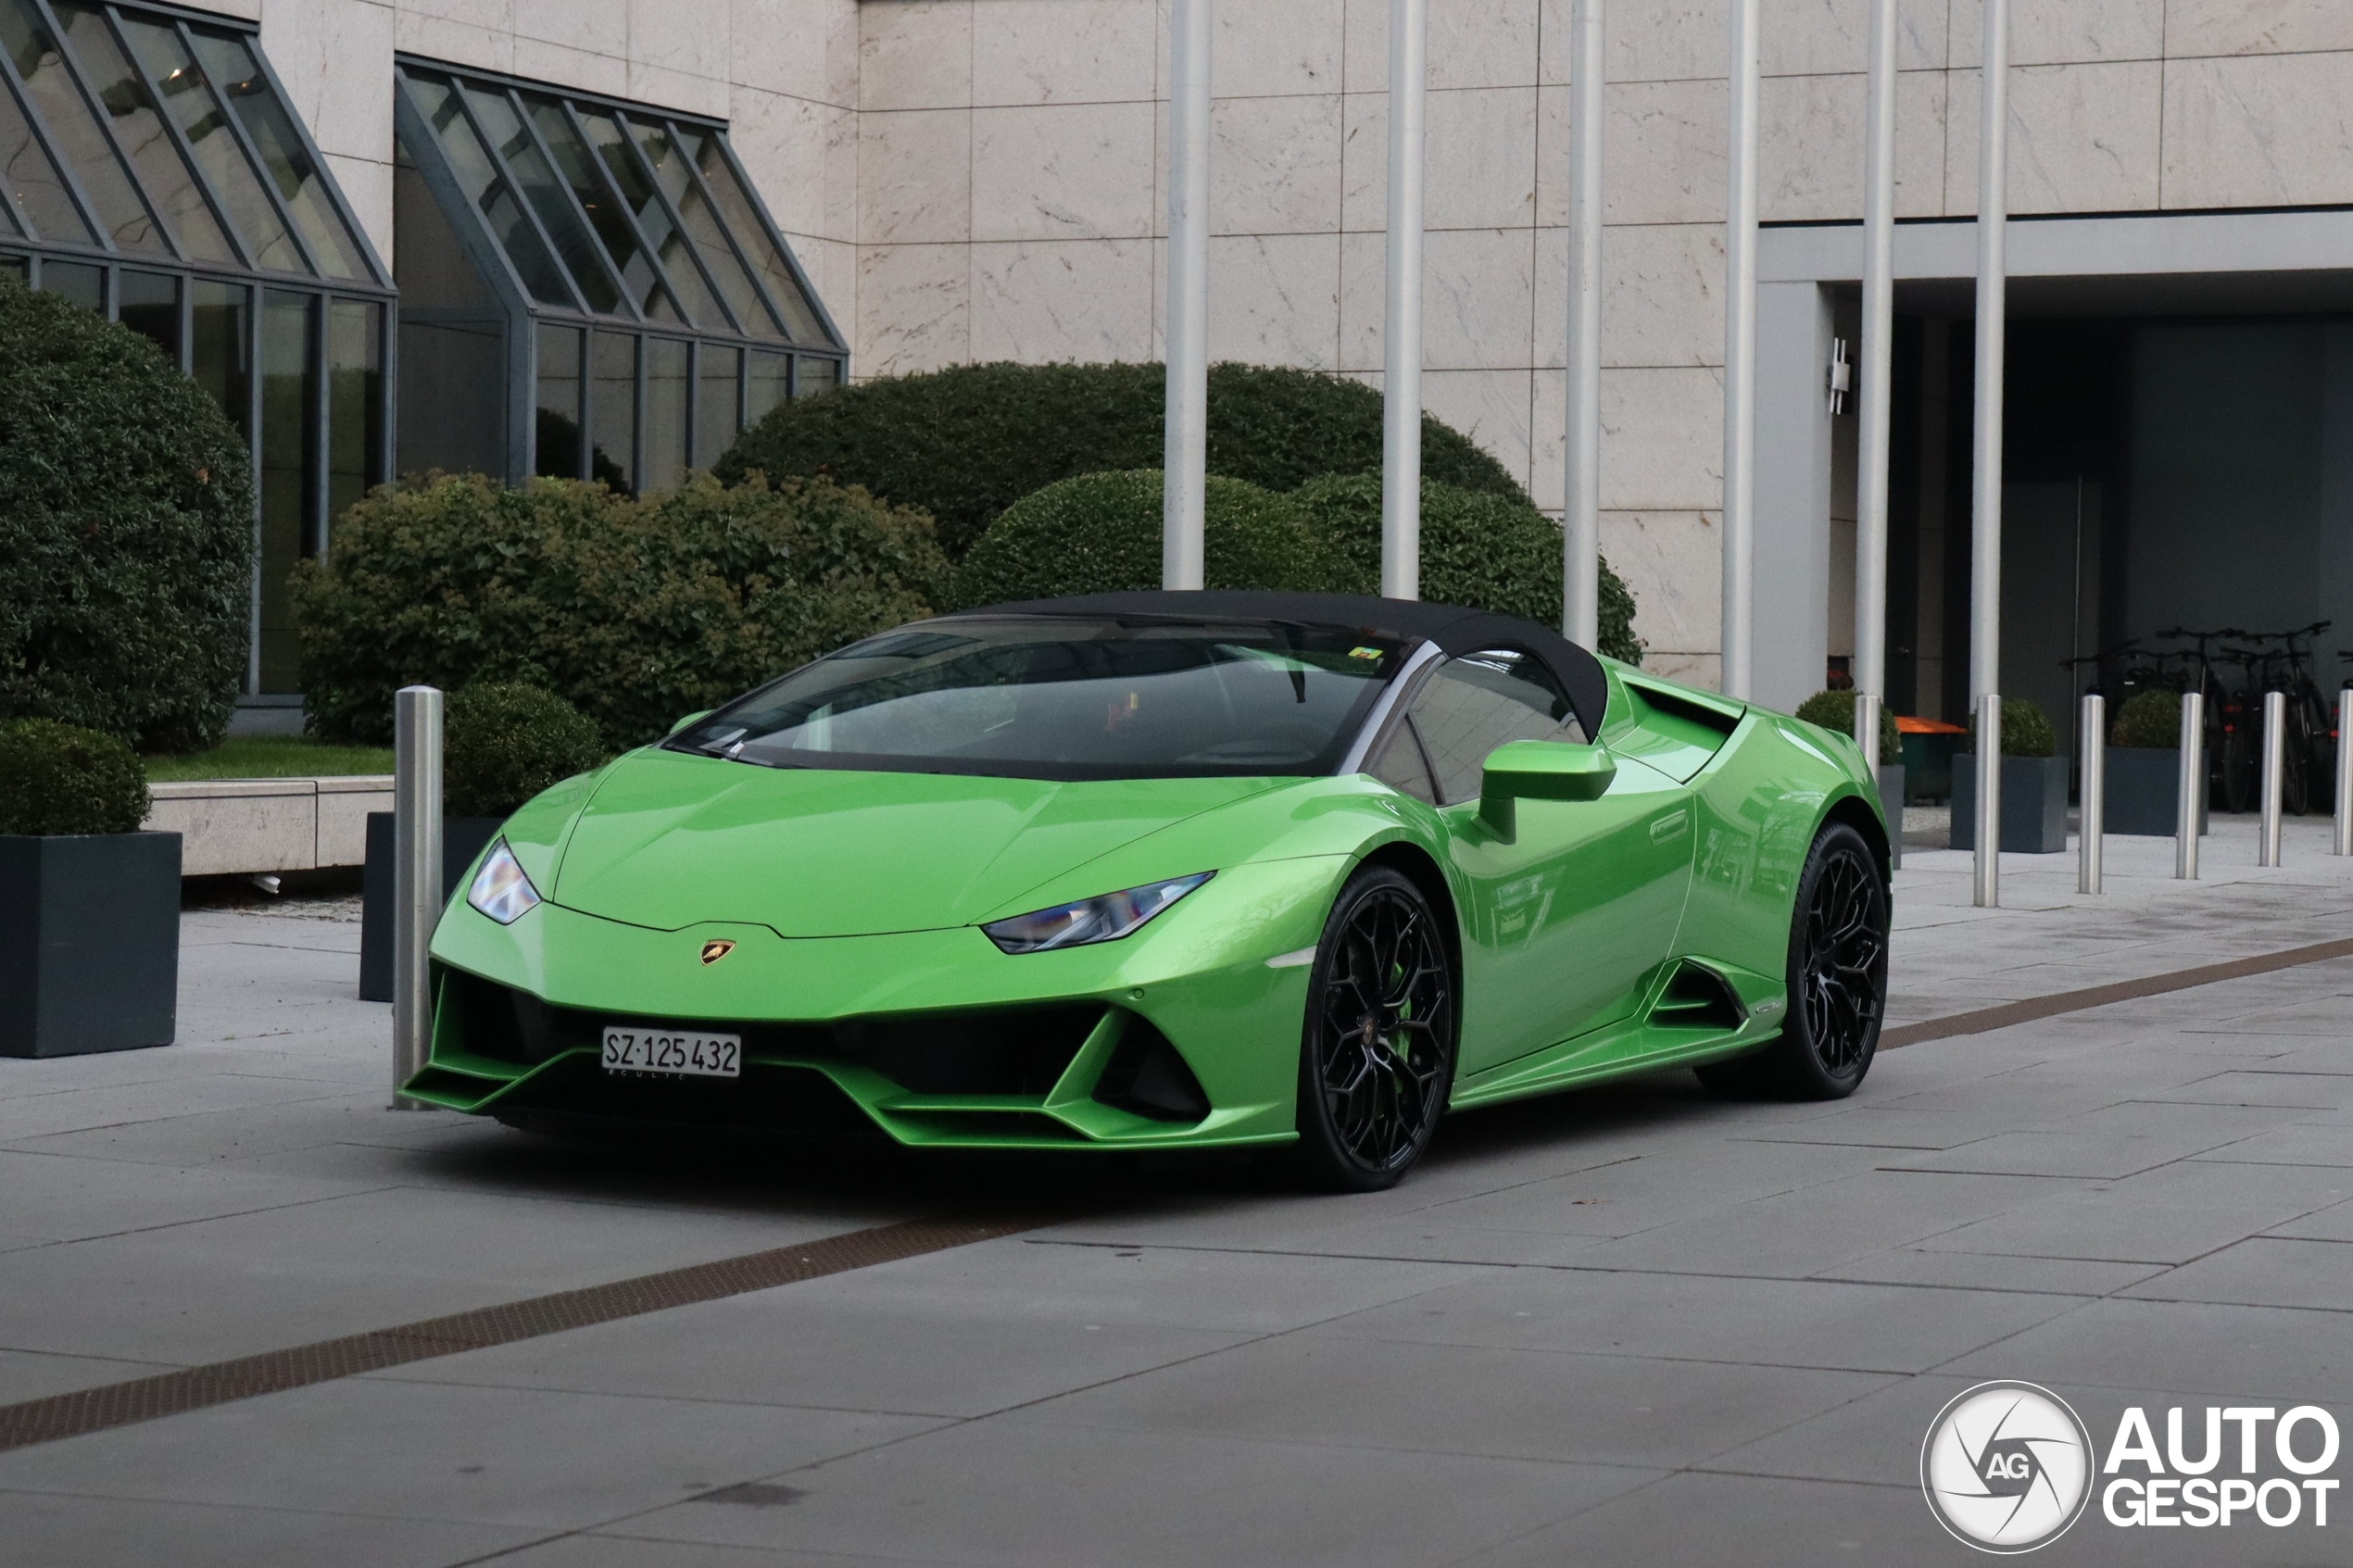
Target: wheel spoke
[[1386, 1030]]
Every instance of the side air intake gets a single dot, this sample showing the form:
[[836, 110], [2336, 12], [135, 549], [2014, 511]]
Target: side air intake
[[1145, 1075], [1698, 998]]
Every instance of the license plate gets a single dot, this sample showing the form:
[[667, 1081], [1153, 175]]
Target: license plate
[[677, 1053]]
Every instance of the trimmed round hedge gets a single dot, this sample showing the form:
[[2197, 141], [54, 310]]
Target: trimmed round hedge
[[1835, 710], [967, 442], [2026, 730], [634, 610], [1100, 533], [1480, 549], [126, 532], [2149, 721], [504, 742], [58, 779]]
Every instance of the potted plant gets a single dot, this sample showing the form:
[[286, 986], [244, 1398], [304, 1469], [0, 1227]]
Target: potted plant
[[2033, 784], [501, 745], [89, 904], [1835, 711], [2144, 793]]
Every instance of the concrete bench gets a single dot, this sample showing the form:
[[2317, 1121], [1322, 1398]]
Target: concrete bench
[[242, 826]]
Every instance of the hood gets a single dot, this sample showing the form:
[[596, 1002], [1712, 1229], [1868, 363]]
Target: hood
[[672, 840]]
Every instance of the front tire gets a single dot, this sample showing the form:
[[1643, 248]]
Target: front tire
[[1837, 977], [1377, 1059]]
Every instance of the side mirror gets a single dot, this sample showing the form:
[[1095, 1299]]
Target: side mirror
[[701, 713], [1539, 770]]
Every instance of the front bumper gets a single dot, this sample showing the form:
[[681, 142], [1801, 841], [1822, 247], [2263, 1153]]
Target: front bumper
[[1178, 1036]]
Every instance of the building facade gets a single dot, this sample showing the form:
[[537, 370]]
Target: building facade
[[972, 180]]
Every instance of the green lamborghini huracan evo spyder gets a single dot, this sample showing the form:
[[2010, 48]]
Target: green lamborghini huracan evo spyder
[[1173, 870]]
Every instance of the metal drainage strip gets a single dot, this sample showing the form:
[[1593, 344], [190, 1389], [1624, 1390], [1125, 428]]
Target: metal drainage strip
[[171, 1393]]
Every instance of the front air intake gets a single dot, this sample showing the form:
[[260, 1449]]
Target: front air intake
[[1148, 1076]]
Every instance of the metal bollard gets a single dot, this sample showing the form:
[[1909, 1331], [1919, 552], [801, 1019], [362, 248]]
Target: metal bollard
[[2093, 789], [2275, 774], [2345, 771], [1987, 891], [2192, 786], [416, 878], [1867, 731]]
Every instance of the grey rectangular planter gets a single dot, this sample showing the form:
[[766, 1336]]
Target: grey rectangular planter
[[2034, 804], [2144, 792], [89, 942], [463, 838], [1891, 800]]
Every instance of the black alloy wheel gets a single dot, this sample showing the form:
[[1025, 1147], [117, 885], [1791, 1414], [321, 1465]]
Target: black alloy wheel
[[1837, 979], [1377, 1059]]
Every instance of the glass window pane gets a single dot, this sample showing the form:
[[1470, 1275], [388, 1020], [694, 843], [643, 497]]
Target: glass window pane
[[300, 183], [73, 131], [583, 171], [717, 373], [702, 226], [33, 180], [221, 350], [637, 193], [735, 205], [547, 198], [19, 268], [482, 185], [188, 98], [665, 414], [140, 131], [558, 443], [148, 303], [355, 402], [613, 409], [78, 281], [429, 262], [289, 457], [1474, 704], [765, 383], [814, 377], [453, 398]]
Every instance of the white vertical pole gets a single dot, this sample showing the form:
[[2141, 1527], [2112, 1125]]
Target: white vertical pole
[[1581, 506], [1879, 325], [1986, 888], [2093, 790], [1740, 362], [1185, 460], [2343, 843], [1401, 468], [416, 879], [2275, 774], [2191, 785], [1985, 522]]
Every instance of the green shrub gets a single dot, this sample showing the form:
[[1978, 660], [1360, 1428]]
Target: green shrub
[[1835, 710], [126, 532], [1100, 533], [2026, 731], [634, 610], [1480, 549], [2150, 721], [503, 742], [965, 443], [61, 779]]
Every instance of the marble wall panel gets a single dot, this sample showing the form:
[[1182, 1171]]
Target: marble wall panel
[[2255, 131], [2084, 138], [1548, 440], [915, 54], [1478, 153], [782, 144], [367, 185], [915, 176], [1042, 300], [334, 57], [1491, 407], [1811, 132], [543, 61], [832, 266], [1275, 165], [1704, 670], [246, 10], [778, 45], [913, 308], [2064, 31], [1675, 40], [675, 89], [459, 42], [1273, 299], [690, 37], [1271, 50], [1662, 295], [1065, 51], [1663, 152], [1063, 173], [1475, 299], [1674, 564], [1471, 43], [2257, 27], [1661, 439]]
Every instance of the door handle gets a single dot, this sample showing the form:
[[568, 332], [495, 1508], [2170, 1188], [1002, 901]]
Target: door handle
[[1668, 826]]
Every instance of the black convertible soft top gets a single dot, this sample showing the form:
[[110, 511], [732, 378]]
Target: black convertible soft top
[[1453, 628]]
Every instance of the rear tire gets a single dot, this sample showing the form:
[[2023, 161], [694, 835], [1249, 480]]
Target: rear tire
[[1376, 1059], [1837, 976]]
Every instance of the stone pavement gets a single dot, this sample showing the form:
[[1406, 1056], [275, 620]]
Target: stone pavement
[[1633, 1325]]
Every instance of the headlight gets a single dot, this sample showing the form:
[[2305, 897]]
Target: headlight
[[1103, 919], [500, 890]]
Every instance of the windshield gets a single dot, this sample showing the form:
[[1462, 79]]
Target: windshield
[[1066, 697]]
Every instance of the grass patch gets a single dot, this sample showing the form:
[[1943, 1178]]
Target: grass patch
[[270, 757]]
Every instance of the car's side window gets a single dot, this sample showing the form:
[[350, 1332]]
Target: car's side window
[[1474, 704], [1400, 766]]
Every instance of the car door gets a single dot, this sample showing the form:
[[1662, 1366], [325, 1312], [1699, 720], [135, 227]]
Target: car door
[[1567, 914]]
